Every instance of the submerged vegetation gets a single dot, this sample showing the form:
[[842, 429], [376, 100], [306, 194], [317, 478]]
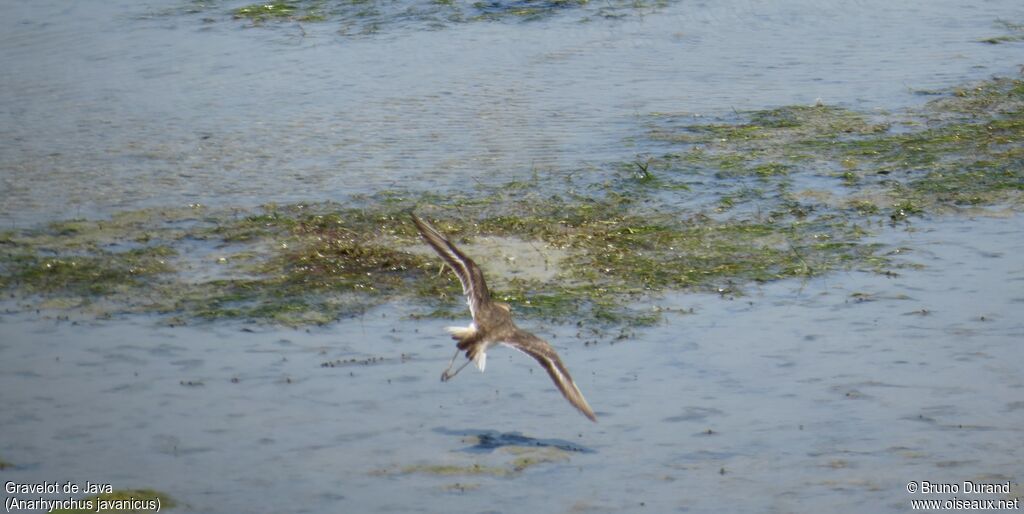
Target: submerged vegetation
[[361, 17], [1015, 33], [776, 194], [964, 149], [266, 11], [303, 264]]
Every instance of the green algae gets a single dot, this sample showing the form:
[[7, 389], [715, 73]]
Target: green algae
[[961, 149], [303, 264], [102, 273], [525, 10], [128, 500], [795, 122], [364, 17], [310, 11], [1015, 33], [724, 207], [266, 11]]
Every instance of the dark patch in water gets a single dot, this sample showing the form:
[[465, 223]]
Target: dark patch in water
[[693, 414], [490, 440]]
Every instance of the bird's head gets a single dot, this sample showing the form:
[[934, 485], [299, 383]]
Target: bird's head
[[505, 306]]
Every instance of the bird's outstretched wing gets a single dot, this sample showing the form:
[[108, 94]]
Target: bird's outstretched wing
[[473, 284], [540, 350]]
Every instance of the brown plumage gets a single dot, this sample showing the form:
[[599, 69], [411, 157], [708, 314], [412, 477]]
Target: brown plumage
[[492, 323]]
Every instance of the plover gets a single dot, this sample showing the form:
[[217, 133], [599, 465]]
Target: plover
[[492, 323]]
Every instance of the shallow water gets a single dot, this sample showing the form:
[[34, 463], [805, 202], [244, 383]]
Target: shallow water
[[822, 396], [127, 104], [827, 395]]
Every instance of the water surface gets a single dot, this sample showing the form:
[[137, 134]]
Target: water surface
[[122, 104], [827, 395]]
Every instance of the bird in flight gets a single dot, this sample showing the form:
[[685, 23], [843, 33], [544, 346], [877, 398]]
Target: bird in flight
[[492, 323]]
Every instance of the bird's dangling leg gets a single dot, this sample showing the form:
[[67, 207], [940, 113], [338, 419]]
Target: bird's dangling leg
[[445, 376]]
